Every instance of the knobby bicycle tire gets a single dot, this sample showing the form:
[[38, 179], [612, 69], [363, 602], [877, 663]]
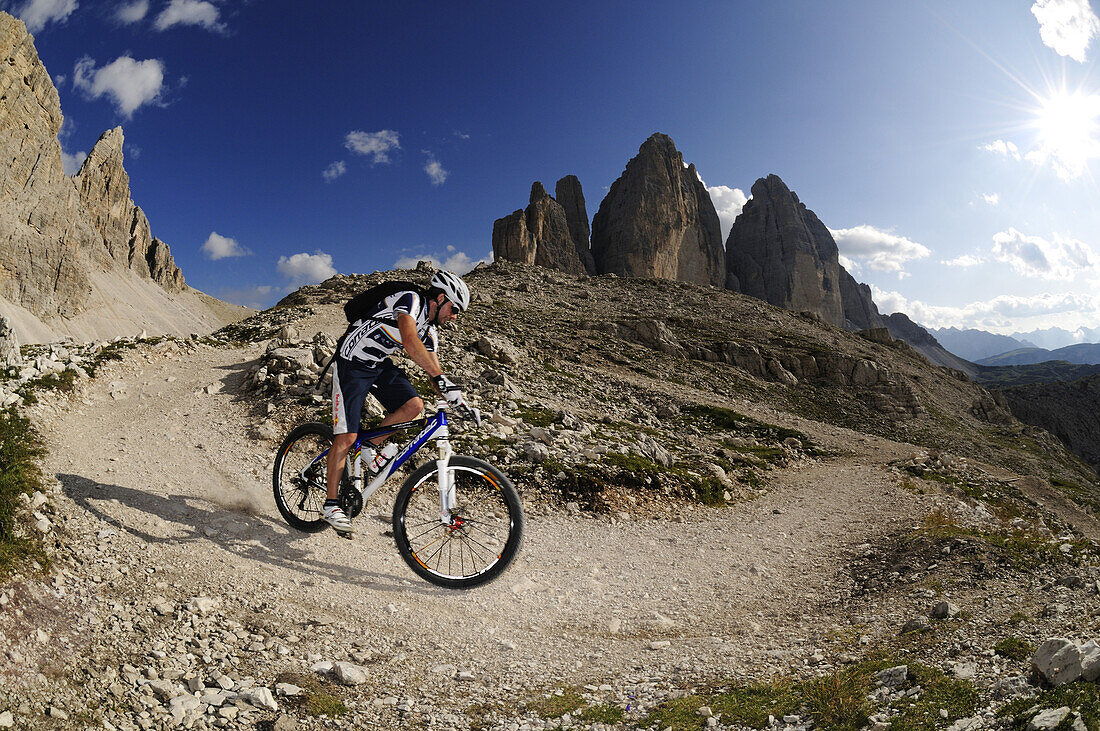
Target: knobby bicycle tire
[[473, 549], [300, 501]]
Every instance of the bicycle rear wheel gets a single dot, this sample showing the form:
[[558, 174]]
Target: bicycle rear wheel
[[480, 540], [299, 476]]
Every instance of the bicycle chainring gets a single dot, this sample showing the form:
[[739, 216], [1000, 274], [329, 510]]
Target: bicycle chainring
[[351, 500]]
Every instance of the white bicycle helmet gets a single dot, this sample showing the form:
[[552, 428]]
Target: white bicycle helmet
[[453, 288]]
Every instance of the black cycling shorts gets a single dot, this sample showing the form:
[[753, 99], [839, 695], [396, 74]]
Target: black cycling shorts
[[350, 383]]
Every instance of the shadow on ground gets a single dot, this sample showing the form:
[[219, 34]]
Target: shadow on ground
[[259, 539]]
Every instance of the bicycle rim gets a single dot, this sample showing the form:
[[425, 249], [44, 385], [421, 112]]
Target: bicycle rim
[[481, 538], [300, 478]]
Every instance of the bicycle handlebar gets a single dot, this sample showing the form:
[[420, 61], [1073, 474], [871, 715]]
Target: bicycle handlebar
[[469, 412]]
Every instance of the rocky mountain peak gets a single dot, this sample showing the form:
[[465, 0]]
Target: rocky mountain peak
[[779, 251], [568, 193], [539, 234], [659, 221], [538, 192], [76, 254]]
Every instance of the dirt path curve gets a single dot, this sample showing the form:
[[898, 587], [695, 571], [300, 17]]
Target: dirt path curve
[[163, 471]]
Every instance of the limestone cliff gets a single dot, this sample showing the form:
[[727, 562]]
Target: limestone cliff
[[568, 193], [659, 221], [538, 235], [780, 252], [105, 193], [860, 311], [77, 256]]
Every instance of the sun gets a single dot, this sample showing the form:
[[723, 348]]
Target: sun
[[1068, 129]]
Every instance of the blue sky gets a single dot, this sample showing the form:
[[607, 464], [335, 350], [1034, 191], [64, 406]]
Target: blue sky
[[952, 147]]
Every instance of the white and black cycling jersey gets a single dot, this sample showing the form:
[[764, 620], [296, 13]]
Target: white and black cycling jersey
[[371, 338]]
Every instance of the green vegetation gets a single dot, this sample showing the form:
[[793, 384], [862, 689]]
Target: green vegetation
[[1081, 697], [838, 701], [536, 415], [590, 484], [1014, 648], [1022, 547], [601, 713], [20, 450], [565, 700], [723, 419], [315, 700]]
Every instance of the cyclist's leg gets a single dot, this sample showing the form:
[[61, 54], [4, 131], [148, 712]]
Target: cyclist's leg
[[349, 390], [395, 392]]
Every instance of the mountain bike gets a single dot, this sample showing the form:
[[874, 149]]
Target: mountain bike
[[457, 520]]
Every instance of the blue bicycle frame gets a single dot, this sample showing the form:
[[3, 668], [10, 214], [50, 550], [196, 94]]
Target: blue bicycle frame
[[434, 427]]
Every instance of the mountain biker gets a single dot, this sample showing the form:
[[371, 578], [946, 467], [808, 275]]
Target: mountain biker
[[361, 365]]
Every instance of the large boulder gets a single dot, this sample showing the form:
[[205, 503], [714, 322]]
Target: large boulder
[[538, 235], [659, 221], [779, 251]]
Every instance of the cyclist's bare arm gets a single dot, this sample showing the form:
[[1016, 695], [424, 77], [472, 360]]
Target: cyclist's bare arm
[[415, 348]]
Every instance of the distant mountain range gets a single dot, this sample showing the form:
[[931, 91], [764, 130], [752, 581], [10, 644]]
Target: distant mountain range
[[974, 345], [986, 348], [1083, 353]]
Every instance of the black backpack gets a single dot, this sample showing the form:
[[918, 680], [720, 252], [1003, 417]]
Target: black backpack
[[361, 304], [358, 307]]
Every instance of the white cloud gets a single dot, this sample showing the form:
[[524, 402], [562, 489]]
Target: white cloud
[[880, 250], [189, 12], [217, 247], [1033, 256], [129, 13], [728, 202], [71, 163], [1005, 149], [435, 170], [461, 135], [966, 260], [1002, 314], [1067, 26], [37, 13], [991, 198], [129, 83], [335, 170], [375, 145], [455, 261], [305, 268]]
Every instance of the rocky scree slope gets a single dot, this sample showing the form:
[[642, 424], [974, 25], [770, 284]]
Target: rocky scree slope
[[649, 355], [183, 601]]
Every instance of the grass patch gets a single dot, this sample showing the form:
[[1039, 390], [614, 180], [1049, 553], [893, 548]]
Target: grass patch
[[536, 415], [601, 713], [314, 700], [1080, 697], [723, 419], [1021, 547], [1014, 648], [558, 703], [20, 450], [838, 701]]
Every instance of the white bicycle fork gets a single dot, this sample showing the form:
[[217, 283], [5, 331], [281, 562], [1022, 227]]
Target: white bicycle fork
[[447, 497]]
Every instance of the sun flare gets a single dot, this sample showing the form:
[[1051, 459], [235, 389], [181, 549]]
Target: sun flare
[[1068, 125]]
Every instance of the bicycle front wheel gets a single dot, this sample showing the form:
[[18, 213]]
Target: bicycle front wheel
[[482, 536], [300, 474]]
